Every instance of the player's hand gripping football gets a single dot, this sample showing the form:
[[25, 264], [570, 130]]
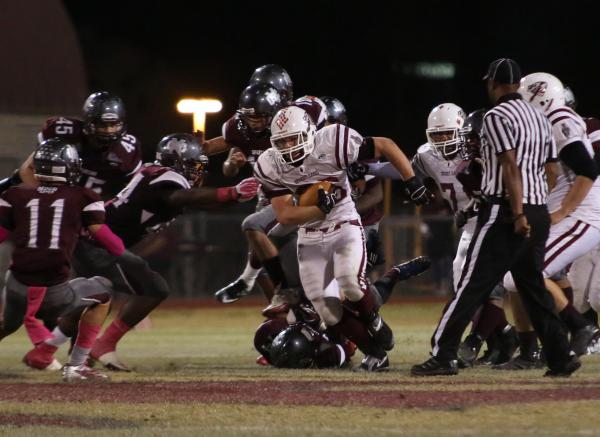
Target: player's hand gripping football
[[326, 201], [417, 191]]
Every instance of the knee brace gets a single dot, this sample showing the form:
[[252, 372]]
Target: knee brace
[[329, 309]]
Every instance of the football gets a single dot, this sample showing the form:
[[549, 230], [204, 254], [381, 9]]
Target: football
[[311, 195]]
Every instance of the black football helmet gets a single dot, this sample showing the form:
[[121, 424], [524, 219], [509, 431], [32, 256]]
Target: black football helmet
[[258, 104], [57, 160], [336, 111], [104, 117], [570, 99], [276, 76], [183, 153], [471, 132], [294, 348]]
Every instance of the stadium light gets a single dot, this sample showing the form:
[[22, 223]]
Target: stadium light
[[199, 108]]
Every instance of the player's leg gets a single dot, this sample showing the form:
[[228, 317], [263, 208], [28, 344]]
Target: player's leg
[[15, 306], [150, 290]]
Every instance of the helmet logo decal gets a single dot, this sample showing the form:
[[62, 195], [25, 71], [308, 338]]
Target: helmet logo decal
[[537, 89], [272, 96], [176, 145], [282, 119]]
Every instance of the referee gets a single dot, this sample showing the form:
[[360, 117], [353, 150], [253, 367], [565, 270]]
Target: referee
[[512, 227]]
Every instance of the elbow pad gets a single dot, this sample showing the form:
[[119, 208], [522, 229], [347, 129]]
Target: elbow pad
[[366, 150], [577, 158]]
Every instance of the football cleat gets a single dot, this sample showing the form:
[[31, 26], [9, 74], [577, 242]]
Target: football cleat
[[508, 342], [277, 307], [435, 367], [468, 350], [381, 333], [233, 292], [521, 362], [411, 268], [42, 358], [566, 370], [583, 338], [82, 373], [373, 364], [110, 360]]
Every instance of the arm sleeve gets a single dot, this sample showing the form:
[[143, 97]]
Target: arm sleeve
[[93, 212], [384, 170], [576, 156], [500, 132]]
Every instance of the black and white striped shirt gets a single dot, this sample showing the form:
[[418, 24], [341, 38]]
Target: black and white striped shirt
[[514, 124]]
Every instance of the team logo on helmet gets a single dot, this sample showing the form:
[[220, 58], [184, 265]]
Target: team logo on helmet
[[282, 119], [272, 96], [176, 145], [537, 89]]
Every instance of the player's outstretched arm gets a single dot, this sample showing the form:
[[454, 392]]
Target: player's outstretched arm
[[204, 196], [289, 214], [391, 151], [234, 162], [216, 145]]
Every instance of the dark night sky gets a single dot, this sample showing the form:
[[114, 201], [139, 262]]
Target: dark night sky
[[154, 52]]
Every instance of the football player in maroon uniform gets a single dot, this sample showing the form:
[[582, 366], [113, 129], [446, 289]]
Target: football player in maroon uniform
[[45, 223], [110, 155], [156, 195]]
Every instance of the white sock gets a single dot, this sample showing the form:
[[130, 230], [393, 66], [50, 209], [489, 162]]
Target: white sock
[[250, 274], [78, 356], [58, 338]]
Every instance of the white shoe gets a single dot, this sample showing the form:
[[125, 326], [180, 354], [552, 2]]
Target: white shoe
[[82, 373], [111, 361], [54, 366]]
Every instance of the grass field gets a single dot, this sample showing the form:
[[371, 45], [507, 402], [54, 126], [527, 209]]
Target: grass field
[[195, 375]]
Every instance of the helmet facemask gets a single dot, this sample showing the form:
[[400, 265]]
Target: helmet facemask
[[292, 148], [445, 142], [257, 123]]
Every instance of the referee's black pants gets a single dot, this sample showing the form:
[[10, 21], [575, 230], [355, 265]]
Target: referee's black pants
[[494, 250]]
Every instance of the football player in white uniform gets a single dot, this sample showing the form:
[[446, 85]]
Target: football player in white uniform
[[447, 159], [331, 239], [574, 200]]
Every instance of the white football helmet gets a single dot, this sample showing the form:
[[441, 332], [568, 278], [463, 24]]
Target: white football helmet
[[292, 134], [443, 131], [543, 90]]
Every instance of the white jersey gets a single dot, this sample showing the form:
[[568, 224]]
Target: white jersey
[[568, 127], [336, 147], [443, 172]]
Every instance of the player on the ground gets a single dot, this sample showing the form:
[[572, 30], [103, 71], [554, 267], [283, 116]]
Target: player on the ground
[[156, 195], [45, 222]]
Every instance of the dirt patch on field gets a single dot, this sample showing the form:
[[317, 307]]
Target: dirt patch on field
[[64, 421], [287, 393]]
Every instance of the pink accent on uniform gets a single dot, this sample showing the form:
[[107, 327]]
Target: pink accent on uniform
[[36, 330], [109, 240], [110, 338], [4, 233], [87, 334], [226, 194]]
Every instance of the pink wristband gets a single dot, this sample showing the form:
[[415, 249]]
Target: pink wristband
[[226, 194], [109, 240]]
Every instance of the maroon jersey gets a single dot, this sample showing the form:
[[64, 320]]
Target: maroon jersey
[[252, 144], [373, 215], [105, 170], [45, 223], [315, 107], [141, 207]]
